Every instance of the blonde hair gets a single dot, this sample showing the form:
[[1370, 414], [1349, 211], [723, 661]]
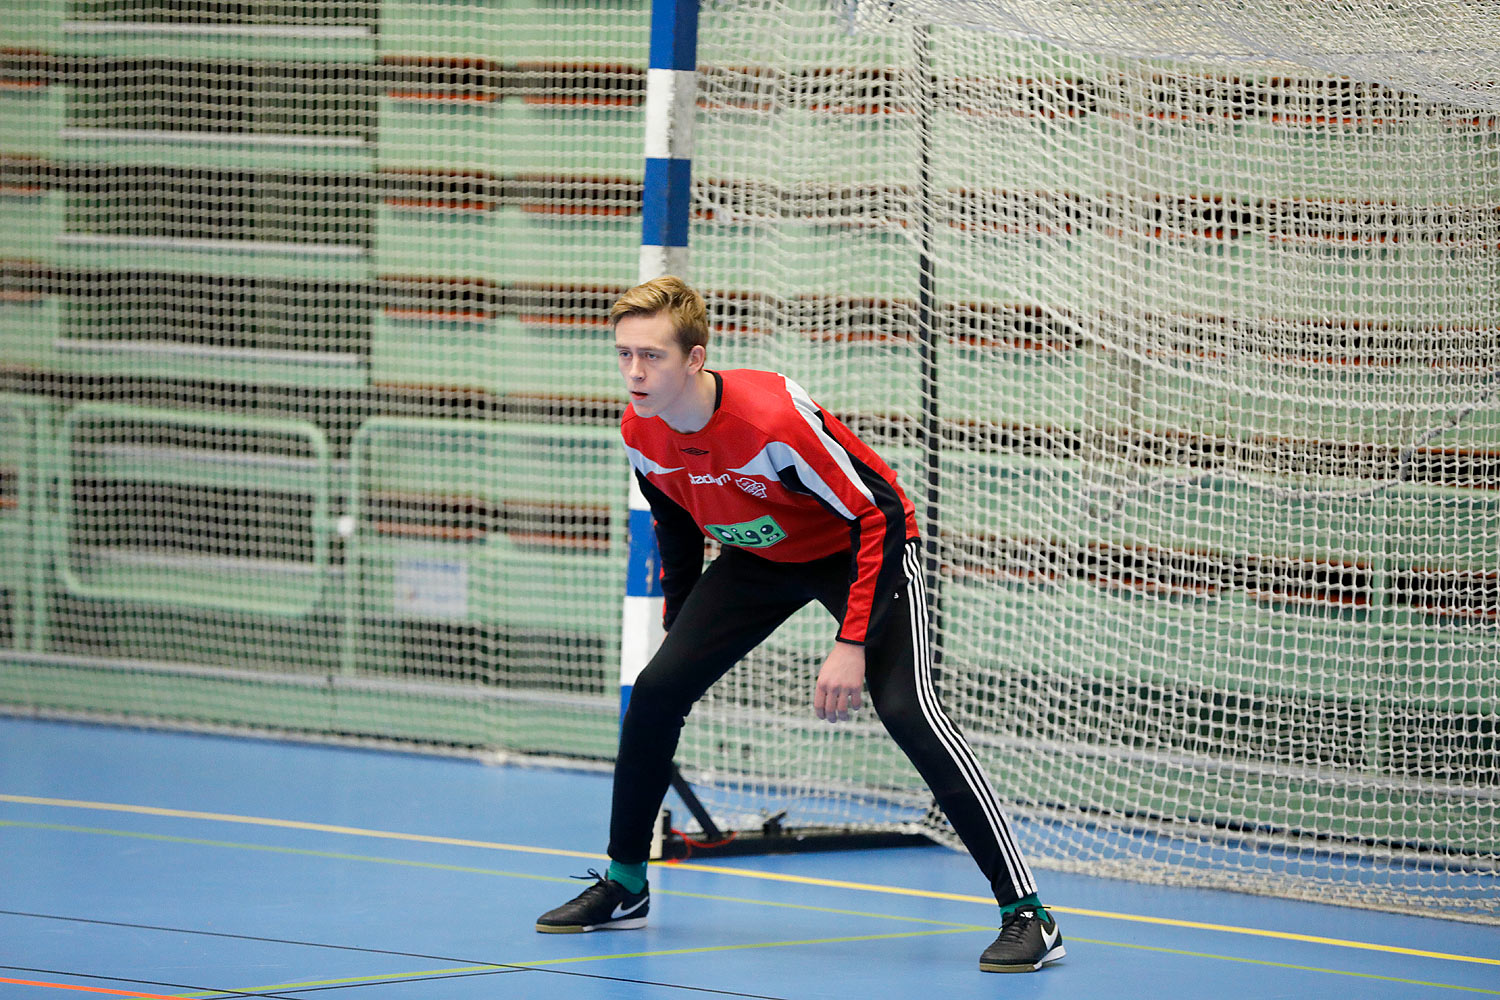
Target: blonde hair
[[672, 296]]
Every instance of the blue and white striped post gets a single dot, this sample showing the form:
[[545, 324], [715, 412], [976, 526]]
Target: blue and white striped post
[[671, 97]]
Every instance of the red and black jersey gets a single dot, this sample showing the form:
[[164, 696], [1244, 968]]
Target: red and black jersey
[[773, 473]]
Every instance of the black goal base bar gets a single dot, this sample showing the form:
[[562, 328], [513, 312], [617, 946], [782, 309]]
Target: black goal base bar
[[772, 837]]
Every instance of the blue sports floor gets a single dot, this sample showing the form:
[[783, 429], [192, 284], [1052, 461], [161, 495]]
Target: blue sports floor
[[147, 864]]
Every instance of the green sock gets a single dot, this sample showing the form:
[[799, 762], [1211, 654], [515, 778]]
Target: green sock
[[632, 877], [1024, 901]]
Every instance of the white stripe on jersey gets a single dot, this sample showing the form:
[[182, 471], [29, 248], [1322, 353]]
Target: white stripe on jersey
[[779, 455], [808, 411], [644, 465]]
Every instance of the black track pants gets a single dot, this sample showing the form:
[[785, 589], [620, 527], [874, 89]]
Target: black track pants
[[738, 602]]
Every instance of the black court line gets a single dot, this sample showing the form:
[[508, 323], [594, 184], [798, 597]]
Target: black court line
[[210, 992], [292, 992], [393, 981], [262, 940]]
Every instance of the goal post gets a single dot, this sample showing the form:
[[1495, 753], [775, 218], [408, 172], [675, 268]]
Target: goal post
[[671, 82]]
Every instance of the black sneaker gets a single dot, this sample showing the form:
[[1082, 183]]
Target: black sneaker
[[604, 906], [1026, 943]]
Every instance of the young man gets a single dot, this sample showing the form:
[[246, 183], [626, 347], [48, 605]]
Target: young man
[[806, 512]]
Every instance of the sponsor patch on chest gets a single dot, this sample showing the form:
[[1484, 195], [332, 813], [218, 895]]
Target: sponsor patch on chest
[[761, 533]]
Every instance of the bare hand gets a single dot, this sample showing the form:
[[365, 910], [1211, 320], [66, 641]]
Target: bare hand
[[840, 682]]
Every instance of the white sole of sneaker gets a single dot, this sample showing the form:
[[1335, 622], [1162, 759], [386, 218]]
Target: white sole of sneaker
[[613, 925]]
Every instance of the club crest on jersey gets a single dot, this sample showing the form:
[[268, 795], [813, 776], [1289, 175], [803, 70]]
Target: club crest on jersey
[[752, 486]]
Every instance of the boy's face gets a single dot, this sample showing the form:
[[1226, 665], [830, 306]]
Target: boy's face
[[657, 372]]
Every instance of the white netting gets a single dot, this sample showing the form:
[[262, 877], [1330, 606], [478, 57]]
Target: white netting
[[1443, 50], [1202, 400], [299, 342], [1178, 321]]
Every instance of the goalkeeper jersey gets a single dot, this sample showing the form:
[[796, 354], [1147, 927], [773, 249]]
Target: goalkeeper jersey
[[773, 473]]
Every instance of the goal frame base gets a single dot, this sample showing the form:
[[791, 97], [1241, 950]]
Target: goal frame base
[[772, 837]]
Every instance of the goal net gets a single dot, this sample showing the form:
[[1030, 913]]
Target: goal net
[[1181, 326], [1178, 322]]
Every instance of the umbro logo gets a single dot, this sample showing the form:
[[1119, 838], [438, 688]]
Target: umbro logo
[[694, 451]]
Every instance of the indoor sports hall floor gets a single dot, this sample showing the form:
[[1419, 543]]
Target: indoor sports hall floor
[[148, 864]]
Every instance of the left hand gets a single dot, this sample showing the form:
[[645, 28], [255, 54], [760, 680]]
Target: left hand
[[840, 683]]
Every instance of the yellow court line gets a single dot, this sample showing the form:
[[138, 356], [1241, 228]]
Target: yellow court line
[[949, 926], [1284, 965], [1103, 914], [705, 949], [421, 974], [547, 962], [470, 870], [292, 824], [738, 872]]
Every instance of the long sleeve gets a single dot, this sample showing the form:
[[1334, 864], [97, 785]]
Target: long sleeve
[[680, 543]]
